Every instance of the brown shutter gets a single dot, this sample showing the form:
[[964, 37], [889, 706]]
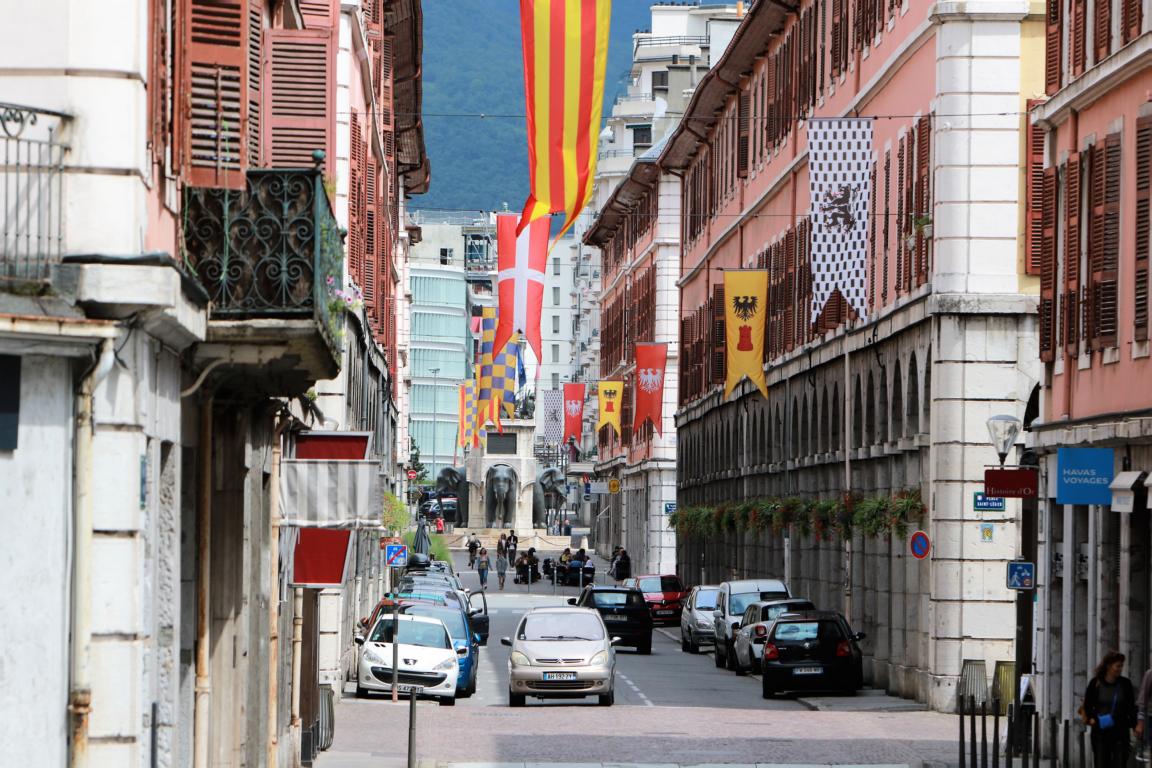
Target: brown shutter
[[159, 87], [1103, 29], [375, 263], [1108, 290], [318, 13], [1034, 183], [745, 107], [923, 193], [909, 208], [873, 216], [1143, 224], [886, 224], [790, 290], [300, 96], [626, 413], [355, 202], [1072, 303], [1048, 265], [1078, 34], [213, 92], [255, 80], [719, 360], [1131, 19], [1052, 43], [901, 214]]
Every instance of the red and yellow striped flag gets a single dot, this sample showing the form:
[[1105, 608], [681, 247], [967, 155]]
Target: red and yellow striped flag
[[565, 52]]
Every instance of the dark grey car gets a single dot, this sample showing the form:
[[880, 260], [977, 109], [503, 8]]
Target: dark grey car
[[696, 618]]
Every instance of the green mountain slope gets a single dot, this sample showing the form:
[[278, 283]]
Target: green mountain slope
[[472, 65]]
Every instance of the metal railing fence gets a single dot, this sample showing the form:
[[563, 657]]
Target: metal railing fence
[[31, 192]]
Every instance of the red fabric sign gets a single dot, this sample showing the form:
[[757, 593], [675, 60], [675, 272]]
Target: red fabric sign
[[332, 445], [573, 411], [320, 557], [651, 360]]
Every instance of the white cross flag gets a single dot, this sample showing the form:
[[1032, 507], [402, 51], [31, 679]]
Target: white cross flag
[[839, 168], [550, 420], [521, 260]]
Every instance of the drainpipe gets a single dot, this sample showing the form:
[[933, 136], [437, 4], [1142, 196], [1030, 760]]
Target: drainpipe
[[203, 540], [297, 640], [274, 595], [80, 695]]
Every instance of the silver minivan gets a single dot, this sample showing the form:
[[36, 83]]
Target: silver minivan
[[732, 600]]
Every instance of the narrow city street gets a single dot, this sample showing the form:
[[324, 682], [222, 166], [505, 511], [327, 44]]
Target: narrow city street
[[671, 707]]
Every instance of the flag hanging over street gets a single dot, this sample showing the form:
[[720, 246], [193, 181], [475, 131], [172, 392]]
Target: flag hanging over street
[[610, 396], [565, 51], [466, 428], [521, 260], [839, 172], [505, 374], [573, 411], [745, 309], [484, 364], [551, 405], [651, 360]]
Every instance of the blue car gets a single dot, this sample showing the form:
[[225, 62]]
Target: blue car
[[460, 630]]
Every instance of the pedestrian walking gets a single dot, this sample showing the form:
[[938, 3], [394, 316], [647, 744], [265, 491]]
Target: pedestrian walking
[[501, 565], [513, 544], [1143, 732], [623, 566], [473, 545], [1109, 709], [483, 564], [502, 544], [439, 525]]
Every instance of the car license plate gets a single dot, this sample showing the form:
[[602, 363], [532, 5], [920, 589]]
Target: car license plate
[[611, 617], [663, 613], [808, 671], [559, 675]]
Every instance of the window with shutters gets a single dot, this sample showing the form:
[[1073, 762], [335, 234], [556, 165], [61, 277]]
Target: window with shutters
[[908, 236], [1131, 19], [899, 223], [742, 140], [356, 238], [299, 96], [1034, 187], [1048, 265], [1103, 29], [212, 92], [1143, 226], [626, 414], [1078, 34], [1053, 37], [923, 205], [1104, 241], [717, 344], [887, 223], [1071, 303], [159, 79], [838, 31], [872, 219]]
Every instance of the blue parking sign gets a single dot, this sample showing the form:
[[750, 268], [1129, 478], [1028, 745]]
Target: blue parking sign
[[1021, 575], [396, 555]]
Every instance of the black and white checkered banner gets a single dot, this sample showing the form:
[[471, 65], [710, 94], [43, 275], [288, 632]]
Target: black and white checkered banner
[[550, 419], [839, 167]]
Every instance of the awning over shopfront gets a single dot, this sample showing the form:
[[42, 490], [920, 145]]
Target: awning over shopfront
[[321, 503], [1124, 490]]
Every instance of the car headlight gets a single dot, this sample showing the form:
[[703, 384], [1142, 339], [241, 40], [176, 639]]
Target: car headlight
[[445, 665], [372, 655], [519, 660], [599, 660], [703, 624]]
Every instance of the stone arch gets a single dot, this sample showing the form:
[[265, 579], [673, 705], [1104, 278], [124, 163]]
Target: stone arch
[[897, 403], [858, 416], [926, 397], [794, 447], [805, 427], [882, 409], [835, 423], [870, 412], [912, 404], [778, 436], [824, 432]]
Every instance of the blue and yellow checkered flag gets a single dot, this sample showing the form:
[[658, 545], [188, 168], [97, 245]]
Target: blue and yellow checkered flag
[[505, 373], [467, 425], [484, 364]]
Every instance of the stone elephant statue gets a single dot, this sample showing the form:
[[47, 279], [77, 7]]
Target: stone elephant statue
[[550, 481], [500, 494], [453, 481]]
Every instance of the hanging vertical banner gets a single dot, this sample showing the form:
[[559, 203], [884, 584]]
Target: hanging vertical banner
[[521, 260], [484, 364], [573, 411], [504, 374], [610, 396], [651, 360], [466, 428], [839, 169], [745, 313], [565, 46], [550, 404]]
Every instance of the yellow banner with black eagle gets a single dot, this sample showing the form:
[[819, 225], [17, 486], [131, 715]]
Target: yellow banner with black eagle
[[745, 313]]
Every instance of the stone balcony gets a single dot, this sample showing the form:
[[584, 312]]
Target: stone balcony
[[270, 257]]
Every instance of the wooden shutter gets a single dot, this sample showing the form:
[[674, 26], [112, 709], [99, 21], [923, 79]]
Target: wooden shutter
[[375, 271], [300, 96], [159, 86], [256, 67], [873, 216], [909, 209], [901, 214], [1143, 225], [789, 329], [837, 35], [1071, 303], [742, 120], [719, 359], [1078, 34], [1052, 44], [887, 224], [319, 14], [1048, 265], [1103, 29], [356, 202], [1131, 19], [213, 92], [923, 193], [1109, 278], [1034, 188], [626, 414]]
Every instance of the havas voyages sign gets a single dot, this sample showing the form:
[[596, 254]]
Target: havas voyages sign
[[1083, 475]]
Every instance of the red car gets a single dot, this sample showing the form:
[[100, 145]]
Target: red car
[[664, 593]]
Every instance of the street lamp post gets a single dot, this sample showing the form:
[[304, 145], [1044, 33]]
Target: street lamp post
[[435, 409]]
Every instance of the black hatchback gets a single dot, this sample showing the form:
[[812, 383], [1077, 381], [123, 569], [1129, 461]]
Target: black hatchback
[[811, 651], [625, 613]]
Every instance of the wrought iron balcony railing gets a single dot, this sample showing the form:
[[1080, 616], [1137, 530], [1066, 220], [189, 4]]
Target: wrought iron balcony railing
[[31, 192], [270, 250]]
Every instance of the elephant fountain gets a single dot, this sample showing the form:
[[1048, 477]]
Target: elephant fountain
[[500, 494], [550, 482], [453, 481]]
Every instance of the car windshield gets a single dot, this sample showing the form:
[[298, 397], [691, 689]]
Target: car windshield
[[632, 599], [661, 584], [453, 619], [770, 612], [739, 603], [706, 599], [800, 631], [420, 633], [561, 626]]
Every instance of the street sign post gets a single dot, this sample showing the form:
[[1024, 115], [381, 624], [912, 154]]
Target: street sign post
[[1021, 575], [413, 692], [920, 545], [396, 555], [613, 486], [411, 474], [982, 503]]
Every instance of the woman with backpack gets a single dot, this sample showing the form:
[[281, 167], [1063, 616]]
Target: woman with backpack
[[1110, 711]]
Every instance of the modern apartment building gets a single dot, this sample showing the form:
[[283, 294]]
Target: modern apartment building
[[558, 335], [874, 420], [1089, 161]]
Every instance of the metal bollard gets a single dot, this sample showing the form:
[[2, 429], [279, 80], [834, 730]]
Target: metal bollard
[[983, 734], [996, 733], [972, 729], [412, 696], [1036, 740], [960, 706]]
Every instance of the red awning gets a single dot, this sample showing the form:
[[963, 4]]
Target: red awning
[[320, 558]]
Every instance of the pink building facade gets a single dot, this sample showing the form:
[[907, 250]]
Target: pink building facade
[[875, 413]]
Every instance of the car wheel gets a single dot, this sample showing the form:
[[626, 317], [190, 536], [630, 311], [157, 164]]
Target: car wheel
[[739, 669], [361, 692], [729, 657], [515, 699], [767, 690], [645, 647], [606, 699], [447, 701], [685, 646], [717, 657]]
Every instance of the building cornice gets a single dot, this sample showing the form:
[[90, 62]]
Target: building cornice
[[1096, 82]]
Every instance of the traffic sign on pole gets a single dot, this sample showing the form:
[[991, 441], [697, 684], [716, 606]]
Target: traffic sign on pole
[[396, 555], [920, 545], [411, 474]]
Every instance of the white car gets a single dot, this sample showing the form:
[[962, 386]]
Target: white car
[[561, 653], [426, 654]]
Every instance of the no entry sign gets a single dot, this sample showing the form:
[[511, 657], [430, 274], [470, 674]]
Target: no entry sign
[[411, 474], [920, 545]]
